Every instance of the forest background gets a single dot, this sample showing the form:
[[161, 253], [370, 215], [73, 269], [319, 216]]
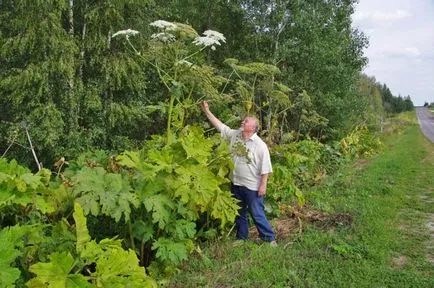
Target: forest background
[[79, 89]]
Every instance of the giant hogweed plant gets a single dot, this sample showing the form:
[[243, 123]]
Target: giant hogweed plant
[[176, 54], [167, 194], [282, 111], [175, 188]]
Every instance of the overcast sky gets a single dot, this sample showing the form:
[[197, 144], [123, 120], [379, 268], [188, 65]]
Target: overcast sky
[[401, 45]]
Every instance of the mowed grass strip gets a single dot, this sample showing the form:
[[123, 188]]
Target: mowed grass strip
[[388, 244]]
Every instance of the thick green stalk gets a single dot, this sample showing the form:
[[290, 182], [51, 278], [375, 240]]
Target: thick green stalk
[[130, 230], [169, 118]]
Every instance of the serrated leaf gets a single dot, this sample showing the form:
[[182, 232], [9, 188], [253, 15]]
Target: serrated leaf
[[31, 180], [147, 188], [83, 236], [195, 144], [162, 160], [224, 207], [161, 208], [105, 193], [8, 275], [196, 185], [56, 273], [132, 159], [10, 239], [170, 251], [143, 231], [43, 205], [116, 267], [181, 229], [21, 185], [129, 159]]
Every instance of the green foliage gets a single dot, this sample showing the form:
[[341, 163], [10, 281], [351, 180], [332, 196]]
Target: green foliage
[[114, 267], [64, 76], [57, 273], [160, 191], [100, 192], [31, 192], [96, 91], [374, 251], [11, 241], [177, 183], [360, 143], [303, 164], [297, 166], [172, 252], [192, 174]]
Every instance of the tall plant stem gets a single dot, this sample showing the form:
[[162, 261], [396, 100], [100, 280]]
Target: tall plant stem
[[33, 150], [169, 118], [130, 230]]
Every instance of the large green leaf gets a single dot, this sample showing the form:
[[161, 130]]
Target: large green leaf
[[170, 251], [195, 184], [181, 229], [56, 273], [143, 231], [80, 227], [196, 146], [224, 207], [161, 207], [116, 267], [11, 241], [8, 274], [100, 192]]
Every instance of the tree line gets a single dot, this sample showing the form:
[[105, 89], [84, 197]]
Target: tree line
[[297, 65]]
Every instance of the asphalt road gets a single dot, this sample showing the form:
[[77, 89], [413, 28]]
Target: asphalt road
[[426, 122]]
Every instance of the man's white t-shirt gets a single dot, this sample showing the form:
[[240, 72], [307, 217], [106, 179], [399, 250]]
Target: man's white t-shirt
[[251, 158]]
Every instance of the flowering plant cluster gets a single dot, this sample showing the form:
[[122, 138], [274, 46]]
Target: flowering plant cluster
[[209, 38]]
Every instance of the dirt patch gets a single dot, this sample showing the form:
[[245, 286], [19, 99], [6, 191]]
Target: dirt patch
[[360, 164], [403, 227], [299, 218], [426, 198], [430, 226], [399, 262]]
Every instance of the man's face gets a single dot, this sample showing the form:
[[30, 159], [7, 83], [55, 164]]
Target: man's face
[[248, 124]]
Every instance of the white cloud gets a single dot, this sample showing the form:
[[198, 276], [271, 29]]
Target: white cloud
[[407, 52], [381, 16]]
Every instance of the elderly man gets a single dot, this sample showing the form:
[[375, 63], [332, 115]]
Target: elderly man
[[252, 165]]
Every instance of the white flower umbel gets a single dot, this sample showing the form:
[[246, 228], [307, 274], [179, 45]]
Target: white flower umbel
[[163, 37], [215, 35], [210, 39], [166, 25], [127, 33]]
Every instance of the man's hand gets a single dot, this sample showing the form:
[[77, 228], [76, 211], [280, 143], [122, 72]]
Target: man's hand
[[263, 185], [204, 106], [262, 190], [214, 120]]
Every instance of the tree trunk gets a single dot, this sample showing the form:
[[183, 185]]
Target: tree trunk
[[108, 99], [72, 121]]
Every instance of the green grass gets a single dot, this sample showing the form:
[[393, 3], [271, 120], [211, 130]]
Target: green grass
[[388, 243]]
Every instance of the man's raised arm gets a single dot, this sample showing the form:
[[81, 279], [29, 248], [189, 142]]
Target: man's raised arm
[[214, 120]]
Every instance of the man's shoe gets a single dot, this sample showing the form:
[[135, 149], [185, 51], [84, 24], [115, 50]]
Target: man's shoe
[[273, 243]]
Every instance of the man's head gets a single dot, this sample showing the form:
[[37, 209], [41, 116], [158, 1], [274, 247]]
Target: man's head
[[249, 125]]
